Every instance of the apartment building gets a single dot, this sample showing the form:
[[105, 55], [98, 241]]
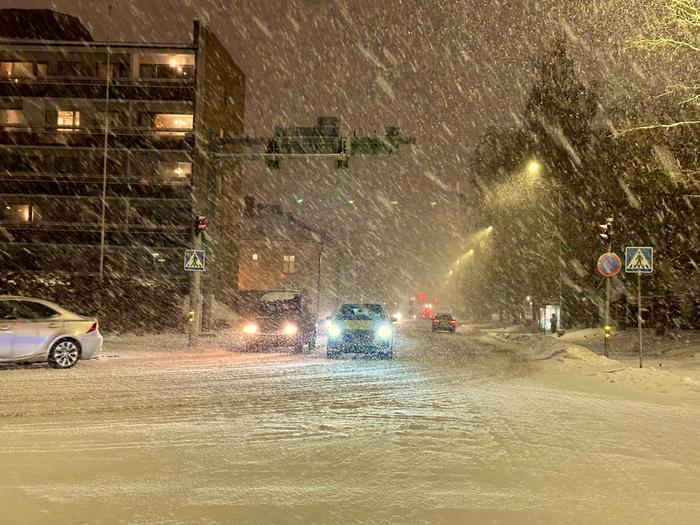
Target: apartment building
[[130, 125]]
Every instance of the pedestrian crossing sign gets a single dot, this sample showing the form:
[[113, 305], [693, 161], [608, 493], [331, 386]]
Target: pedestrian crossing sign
[[639, 259], [195, 261]]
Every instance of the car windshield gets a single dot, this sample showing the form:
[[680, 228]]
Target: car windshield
[[361, 312]]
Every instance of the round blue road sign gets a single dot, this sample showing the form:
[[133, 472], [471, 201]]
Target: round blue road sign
[[609, 264]]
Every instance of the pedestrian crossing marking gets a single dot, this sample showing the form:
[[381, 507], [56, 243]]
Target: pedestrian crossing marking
[[195, 261]]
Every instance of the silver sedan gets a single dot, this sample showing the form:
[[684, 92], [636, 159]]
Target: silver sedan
[[33, 330]]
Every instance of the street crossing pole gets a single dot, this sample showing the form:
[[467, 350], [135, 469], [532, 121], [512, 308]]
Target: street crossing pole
[[639, 315]]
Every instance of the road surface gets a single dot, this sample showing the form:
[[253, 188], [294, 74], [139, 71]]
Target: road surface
[[453, 430]]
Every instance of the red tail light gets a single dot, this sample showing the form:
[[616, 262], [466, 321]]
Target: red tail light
[[436, 321], [93, 327], [453, 322]]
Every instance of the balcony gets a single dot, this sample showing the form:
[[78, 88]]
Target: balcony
[[156, 138], [165, 89]]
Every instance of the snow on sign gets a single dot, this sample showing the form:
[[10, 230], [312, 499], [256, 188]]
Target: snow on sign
[[639, 259], [609, 264], [195, 261]]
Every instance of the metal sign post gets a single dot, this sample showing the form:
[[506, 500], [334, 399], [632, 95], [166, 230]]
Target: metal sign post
[[639, 260], [609, 265]]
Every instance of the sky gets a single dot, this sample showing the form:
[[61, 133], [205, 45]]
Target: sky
[[445, 71]]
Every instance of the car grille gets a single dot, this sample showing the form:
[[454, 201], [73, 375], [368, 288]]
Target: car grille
[[358, 336]]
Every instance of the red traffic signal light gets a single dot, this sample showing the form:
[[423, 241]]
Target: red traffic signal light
[[202, 222]]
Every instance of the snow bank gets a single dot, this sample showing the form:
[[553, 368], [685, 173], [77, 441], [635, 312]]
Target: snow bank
[[563, 355]]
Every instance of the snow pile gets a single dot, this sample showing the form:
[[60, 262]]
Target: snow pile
[[584, 355], [581, 365]]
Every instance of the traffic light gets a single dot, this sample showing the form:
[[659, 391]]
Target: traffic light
[[272, 148], [202, 222], [344, 151], [605, 230], [608, 330]]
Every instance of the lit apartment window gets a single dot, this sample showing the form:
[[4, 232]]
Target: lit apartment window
[[11, 118], [68, 120], [289, 264], [21, 213], [255, 257], [22, 70], [174, 170], [171, 123], [166, 66]]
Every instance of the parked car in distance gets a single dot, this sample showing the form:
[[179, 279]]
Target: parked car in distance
[[444, 322], [34, 331]]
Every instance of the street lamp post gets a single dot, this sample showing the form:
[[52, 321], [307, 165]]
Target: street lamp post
[[533, 169]]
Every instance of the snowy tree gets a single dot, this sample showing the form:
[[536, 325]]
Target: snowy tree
[[675, 36]]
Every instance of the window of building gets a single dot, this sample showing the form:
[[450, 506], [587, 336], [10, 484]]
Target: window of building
[[172, 123], [119, 70], [174, 170], [11, 118], [68, 120], [22, 70], [73, 69], [289, 264], [166, 66], [116, 120], [21, 213], [255, 257]]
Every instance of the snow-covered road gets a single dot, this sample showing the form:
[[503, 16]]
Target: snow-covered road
[[452, 431]]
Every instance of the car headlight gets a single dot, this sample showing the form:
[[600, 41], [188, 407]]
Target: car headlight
[[334, 330], [290, 329], [250, 328], [384, 331]]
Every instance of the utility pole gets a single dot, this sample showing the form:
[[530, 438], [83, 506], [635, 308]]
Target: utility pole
[[198, 190], [104, 153]]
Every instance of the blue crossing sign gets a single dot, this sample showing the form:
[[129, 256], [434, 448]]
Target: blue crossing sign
[[639, 259], [195, 261]]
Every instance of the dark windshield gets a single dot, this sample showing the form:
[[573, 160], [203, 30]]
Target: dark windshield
[[361, 312]]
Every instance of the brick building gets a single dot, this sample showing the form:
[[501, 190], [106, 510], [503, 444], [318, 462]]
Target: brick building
[[76, 132]]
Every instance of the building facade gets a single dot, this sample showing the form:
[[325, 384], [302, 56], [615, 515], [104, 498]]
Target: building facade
[[279, 252], [104, 160]]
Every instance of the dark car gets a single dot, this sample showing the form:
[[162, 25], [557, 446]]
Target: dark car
[[361, 329], [279, 319], [445, 322]]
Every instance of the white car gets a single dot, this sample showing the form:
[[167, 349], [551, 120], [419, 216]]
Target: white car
[[32, 330]]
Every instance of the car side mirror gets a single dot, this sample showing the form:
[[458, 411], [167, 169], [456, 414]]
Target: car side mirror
[[393, 319]]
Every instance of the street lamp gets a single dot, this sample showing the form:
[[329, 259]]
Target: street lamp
[[534, 168]]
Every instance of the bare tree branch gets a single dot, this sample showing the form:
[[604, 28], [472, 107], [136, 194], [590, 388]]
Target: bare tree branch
[[656, 126]]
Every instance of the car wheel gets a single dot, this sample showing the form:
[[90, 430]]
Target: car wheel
[[64, 353]]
